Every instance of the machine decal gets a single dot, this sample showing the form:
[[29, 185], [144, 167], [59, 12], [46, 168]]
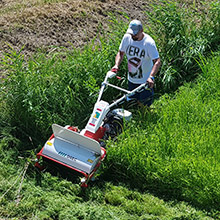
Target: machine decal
[[90, 161], [49, 143], [67, 156], [96, 116]]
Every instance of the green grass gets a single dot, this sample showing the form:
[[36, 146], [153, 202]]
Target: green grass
[[175, 148], [183, 32], [57, 198], [171, 151]]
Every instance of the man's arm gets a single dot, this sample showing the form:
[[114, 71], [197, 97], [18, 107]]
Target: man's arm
[[155, 69], [118, 59]]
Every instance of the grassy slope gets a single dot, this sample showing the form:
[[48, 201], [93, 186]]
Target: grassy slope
[[168, 154], [177, 148], [163, 160], [176, 159], [57, 198]]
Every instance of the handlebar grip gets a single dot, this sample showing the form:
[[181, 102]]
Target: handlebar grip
[[114, 70]]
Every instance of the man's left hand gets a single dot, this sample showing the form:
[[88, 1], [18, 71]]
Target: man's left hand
[[150, 82]]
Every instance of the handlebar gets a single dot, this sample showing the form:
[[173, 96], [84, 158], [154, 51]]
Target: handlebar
[[111, 74]]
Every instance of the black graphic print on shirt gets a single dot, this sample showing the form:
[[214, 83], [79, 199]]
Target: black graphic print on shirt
[[135, 62]]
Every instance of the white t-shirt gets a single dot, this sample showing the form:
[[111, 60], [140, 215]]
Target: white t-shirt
[[140, 55]]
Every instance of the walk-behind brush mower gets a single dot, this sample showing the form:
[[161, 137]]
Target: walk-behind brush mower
[[83, 151]]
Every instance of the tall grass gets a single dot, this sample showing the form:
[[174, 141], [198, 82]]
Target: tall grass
[[182, 33], [59, 88], [175, 150]]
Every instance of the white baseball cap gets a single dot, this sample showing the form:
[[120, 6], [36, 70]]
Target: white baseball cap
[[134, 27]]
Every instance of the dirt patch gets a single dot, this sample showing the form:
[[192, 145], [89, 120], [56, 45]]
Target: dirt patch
[[59, 23]]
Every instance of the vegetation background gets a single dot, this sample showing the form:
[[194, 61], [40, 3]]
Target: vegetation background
[[166, 163]]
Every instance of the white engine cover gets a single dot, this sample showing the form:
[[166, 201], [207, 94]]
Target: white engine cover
[[99, 112], [122, 113]]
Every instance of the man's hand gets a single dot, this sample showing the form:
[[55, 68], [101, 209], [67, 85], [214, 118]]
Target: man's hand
[[150, 82], [118, 60], [115, 69], [154, 70]]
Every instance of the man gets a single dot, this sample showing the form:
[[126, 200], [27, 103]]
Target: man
[[143, 60]]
